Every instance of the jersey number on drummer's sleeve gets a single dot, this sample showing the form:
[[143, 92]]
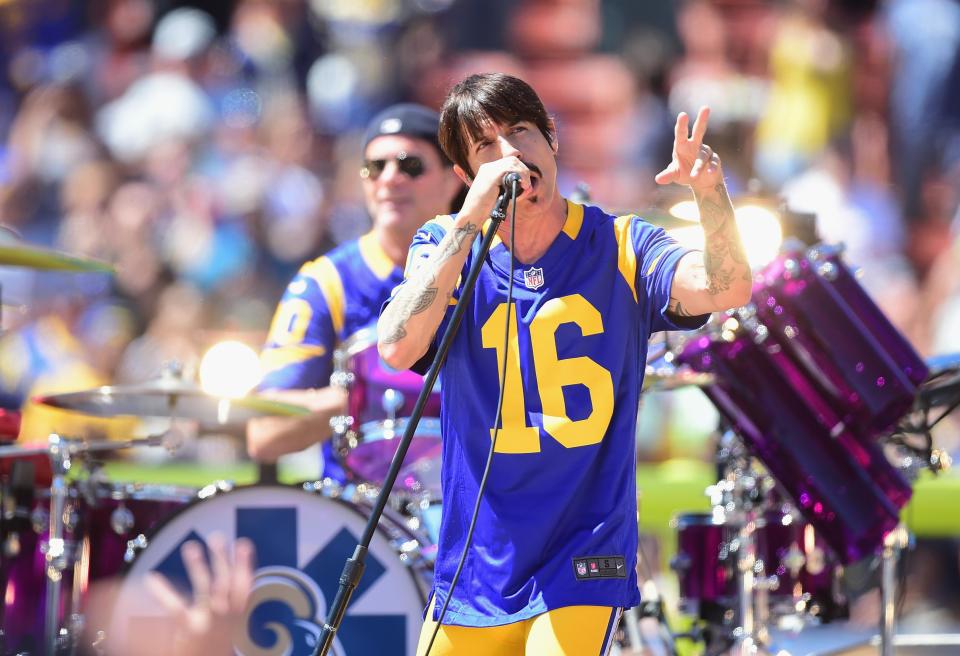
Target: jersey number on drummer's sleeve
[[290, 323], [552, 374]]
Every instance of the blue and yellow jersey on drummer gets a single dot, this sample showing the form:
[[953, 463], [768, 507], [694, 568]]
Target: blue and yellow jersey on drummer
[[558, 519], [329, 300]]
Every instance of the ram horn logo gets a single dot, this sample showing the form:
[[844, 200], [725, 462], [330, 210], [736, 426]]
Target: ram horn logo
[[284, 611]]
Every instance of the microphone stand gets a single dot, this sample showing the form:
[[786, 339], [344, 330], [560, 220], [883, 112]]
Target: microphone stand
[[354, 567]]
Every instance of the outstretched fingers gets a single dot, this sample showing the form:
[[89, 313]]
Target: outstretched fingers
[[700, 126]]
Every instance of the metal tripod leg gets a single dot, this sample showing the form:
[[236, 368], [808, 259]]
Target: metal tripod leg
[[892, 544]]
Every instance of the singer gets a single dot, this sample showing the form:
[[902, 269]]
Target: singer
[[552, 561]]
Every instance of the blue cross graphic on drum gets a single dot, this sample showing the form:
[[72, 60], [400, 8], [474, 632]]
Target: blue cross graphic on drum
[[302, 541]]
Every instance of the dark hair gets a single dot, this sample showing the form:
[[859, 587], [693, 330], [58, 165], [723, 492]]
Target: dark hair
[[487, 98]]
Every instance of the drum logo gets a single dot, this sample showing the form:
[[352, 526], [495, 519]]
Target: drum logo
[[533, 278], [290, 597]]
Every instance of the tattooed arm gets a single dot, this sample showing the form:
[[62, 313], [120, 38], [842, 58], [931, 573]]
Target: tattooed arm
[[408, 324], [720, 277]]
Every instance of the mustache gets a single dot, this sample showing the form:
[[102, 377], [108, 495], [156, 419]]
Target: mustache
[[533, 167]]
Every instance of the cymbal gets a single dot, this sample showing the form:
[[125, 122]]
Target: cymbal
[[658, 378], [75, 446], [14, 252], [172, 397]]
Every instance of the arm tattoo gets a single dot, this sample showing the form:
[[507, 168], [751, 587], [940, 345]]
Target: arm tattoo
[[677, 310], [420, 291], [724, 258]]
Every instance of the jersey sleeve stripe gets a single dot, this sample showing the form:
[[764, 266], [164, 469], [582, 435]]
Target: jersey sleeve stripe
[[277, 358], [653, 265], [571, 227], [328, 280], [626, 256]]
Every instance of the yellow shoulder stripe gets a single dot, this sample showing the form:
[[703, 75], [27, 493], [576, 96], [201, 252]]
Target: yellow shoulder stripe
[[496, 238], [626, 256], [375, 257], [571, 227], [278, 358], [328, 279], [445, 221]]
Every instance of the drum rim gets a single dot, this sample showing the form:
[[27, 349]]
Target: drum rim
[[358, 342], [373, 431], [223, 488]]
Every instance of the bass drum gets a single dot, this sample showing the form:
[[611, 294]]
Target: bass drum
[[302, 540]]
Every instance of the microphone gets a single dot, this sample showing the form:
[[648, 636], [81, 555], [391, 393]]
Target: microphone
[[508, 180], [506, 185]]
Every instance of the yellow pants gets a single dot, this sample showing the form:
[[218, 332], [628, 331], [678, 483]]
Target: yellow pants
[[569, 631]]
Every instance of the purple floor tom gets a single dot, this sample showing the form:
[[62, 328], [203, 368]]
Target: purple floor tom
[[842, 485], [834, 332]]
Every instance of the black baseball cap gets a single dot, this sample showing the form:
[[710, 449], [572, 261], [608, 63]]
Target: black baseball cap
[[408, 119]]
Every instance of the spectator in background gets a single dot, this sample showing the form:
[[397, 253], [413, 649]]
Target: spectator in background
[[809, 101], [406, 181], [926, 43]]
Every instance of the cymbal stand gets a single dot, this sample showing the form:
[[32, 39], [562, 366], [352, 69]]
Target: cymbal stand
[[58, 551], [895, 541], [738, 500]]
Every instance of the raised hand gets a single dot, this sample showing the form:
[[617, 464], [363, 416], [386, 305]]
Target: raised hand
[[694, 163], [220, 592]]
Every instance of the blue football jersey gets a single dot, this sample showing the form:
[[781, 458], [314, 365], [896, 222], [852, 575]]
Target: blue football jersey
[[558, 521], [328, 301]]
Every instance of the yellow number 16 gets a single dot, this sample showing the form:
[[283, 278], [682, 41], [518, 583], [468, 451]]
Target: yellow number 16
[[552, 375]]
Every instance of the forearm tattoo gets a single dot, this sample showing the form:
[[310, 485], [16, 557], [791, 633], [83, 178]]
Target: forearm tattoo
[[420, 290], [676, 308], [724, 259]]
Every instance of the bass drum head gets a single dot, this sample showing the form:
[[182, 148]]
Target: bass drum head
[[302, 541]]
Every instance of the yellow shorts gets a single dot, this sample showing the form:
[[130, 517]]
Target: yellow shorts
[[568, 631]]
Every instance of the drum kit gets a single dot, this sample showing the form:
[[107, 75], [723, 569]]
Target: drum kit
[[67, 530], [814, 386], [818, 392]]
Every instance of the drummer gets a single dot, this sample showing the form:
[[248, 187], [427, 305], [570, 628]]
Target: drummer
[[406, 179]]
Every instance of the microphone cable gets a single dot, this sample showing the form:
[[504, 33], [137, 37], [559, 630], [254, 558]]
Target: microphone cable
[[496, 427]]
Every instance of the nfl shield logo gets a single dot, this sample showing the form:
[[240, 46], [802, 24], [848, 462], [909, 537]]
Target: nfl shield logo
[[533, 278], [581, 568]]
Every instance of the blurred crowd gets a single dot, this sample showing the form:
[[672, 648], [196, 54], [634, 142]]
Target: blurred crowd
[[208, 149]]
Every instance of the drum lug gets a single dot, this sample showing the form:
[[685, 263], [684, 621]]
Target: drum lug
[[828, 271], [58, 555], [326, 487], [342, 379], [135, 546], [214, 488], [121, 520], [341, 423], [791, 267]]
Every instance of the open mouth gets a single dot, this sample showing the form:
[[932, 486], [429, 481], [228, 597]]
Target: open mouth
[[531, 193]]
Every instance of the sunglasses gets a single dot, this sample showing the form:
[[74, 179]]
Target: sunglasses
[[410, 165]]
